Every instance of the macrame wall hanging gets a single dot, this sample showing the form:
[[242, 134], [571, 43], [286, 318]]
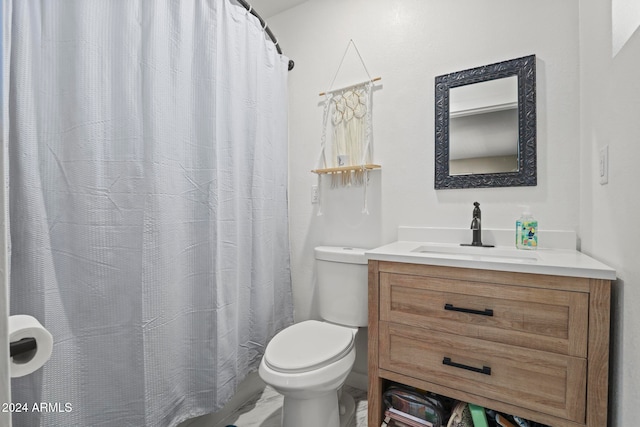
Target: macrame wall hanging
[[347, 113]]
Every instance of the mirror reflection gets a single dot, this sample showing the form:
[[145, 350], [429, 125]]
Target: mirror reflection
[[483, 127]]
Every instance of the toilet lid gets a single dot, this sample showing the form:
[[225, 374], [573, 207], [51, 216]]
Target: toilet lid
[[308, 345]]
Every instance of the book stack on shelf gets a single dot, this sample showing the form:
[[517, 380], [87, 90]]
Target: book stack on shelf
[[408, 407], [396, 418]]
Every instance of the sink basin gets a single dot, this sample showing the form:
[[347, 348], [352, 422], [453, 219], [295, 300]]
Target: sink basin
[[478, 252]]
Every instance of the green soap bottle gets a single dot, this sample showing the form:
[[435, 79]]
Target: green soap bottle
[[527, 231]]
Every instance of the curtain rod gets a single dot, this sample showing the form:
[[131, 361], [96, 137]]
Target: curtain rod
[[265, 27]]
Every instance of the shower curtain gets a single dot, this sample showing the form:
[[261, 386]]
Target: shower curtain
[[147, 157]]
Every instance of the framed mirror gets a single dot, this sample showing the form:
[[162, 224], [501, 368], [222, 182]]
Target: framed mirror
[[485, 126]]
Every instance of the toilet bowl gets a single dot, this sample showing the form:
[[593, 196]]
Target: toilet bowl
[[308, 363]]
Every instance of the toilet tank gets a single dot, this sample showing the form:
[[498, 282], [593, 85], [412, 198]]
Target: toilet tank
[[342, 285]]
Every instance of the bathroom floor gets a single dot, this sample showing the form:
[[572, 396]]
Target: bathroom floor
[[263, 410]]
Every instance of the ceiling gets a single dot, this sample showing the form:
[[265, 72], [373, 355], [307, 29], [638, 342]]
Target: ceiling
[[268, 8]]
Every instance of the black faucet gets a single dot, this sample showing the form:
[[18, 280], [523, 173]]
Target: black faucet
[[476, 226]]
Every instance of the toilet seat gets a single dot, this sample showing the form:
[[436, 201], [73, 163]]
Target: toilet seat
[[308, 345]]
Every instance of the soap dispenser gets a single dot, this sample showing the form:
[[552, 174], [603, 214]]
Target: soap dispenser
[[526, 231]]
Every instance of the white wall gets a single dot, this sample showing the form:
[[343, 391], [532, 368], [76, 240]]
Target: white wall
[[408, 43], [610, 115]]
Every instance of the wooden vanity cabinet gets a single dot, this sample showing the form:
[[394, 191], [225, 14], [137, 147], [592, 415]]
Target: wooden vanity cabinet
[[531, 345]]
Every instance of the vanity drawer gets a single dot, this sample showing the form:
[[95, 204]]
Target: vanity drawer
[[546, 382], [541, 319]]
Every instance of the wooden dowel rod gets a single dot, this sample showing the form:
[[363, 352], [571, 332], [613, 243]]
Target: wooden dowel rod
[[375, 79], [346, 168]]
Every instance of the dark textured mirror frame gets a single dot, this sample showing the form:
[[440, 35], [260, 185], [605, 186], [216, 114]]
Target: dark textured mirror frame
[[525, 69]]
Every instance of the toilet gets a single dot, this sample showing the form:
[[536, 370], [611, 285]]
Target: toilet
[[309, 361]]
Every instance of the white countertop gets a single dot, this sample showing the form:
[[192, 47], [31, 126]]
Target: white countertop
[[559, 262]]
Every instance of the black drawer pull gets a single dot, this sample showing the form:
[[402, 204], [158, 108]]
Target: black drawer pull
[[484, 370], [485, 312]]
